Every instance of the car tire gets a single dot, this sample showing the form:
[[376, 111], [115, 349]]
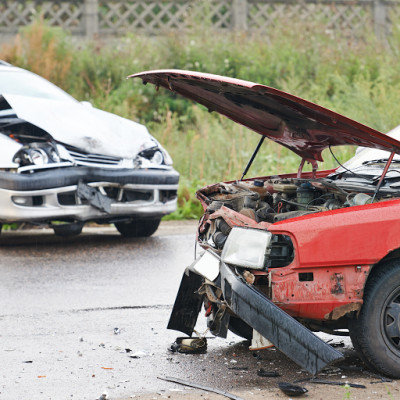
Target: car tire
[[138, 227], [68, 230], [376, 331]]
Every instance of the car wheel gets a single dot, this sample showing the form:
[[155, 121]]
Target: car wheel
[[67, 230], [376, 332], [138, 227]]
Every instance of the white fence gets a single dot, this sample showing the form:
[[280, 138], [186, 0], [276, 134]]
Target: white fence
[[118, 17]]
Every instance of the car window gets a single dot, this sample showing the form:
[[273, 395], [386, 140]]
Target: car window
[[27, 84]]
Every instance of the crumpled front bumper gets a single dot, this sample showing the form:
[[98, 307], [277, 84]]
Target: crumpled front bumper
[[53, 194], [246, 302]]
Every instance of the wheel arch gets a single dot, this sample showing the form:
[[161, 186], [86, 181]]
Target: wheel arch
[[389, 258]]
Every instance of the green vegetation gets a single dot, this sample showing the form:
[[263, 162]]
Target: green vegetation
[[359, 79]]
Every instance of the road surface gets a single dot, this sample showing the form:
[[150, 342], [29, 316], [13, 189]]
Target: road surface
[[85, 315]]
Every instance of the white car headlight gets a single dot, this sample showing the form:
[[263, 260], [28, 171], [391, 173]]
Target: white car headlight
[[246, 248], [38, 157], [157, 158]]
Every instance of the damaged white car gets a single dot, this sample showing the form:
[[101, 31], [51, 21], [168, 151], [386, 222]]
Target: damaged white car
[[64, 163]]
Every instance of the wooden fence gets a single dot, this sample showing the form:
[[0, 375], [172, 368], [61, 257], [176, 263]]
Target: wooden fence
[[105, 18]]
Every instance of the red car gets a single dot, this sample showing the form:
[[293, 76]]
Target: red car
[[289, 255]]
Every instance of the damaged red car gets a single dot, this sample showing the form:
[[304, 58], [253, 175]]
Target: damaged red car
[[289, 255]]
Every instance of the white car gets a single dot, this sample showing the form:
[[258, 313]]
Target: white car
[[64, 163]]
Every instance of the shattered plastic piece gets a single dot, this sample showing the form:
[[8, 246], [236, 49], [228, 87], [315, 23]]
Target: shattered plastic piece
[[189, 345], [139, 354], [117, 331], [27, 362], [103, 396], [267, 374], [107, 368], [292, 390], [42, 376]]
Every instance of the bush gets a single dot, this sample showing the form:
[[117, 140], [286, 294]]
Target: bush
[[359, 79]]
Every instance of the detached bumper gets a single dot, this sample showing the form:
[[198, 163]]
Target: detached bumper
[[287, 334], [53, 194]]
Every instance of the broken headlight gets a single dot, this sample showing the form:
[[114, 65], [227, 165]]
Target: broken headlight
[[153, 154], [246, 248], [37, 154]]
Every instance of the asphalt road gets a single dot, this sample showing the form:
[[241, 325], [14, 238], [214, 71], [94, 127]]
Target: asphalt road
[[70, 309]]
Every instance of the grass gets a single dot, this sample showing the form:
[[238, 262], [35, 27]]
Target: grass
[[359, 79]]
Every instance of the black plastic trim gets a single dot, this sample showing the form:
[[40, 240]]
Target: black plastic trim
[[61, 177], [287, 334]]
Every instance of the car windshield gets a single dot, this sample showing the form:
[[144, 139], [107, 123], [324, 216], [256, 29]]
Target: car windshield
[[27, 84]]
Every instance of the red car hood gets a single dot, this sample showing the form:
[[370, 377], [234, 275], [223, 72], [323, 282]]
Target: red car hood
[[302, 126]]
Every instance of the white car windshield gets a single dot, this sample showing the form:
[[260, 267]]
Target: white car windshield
[[23, 83]]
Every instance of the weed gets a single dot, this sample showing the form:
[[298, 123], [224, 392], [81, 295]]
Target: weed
[[360, 79]]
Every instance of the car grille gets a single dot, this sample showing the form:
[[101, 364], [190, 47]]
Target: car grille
[[93, 159]]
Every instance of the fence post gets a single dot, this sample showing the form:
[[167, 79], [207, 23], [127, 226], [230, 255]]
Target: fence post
[[91, 18], [380, 19], [239, 13]]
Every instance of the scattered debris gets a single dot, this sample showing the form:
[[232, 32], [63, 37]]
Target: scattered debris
[[381, 378], [103, 396], [81, 339], [292, 390], [107, 368], [117, 331], [139, 354], [325, 382], [268, 374], [42, 376], [102, 344], [189, 345], [128, 350], [199, 386], [27, 362], [239, 368]]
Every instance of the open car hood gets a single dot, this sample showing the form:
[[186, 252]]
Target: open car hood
[[303, 127]]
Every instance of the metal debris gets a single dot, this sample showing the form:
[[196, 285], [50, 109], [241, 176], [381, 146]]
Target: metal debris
[[199, 386], [267, 374], [335, 383]]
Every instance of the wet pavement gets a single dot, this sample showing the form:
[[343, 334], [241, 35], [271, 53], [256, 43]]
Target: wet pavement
[[84, 315]]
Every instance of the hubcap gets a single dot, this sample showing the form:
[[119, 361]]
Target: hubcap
[[391, 320]]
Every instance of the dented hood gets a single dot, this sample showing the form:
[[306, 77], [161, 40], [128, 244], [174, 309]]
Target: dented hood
[[303, 127], [82, 126]]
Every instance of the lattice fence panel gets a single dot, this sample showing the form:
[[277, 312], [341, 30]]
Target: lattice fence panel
[[354, 17], [393, 13], [156, 15], [66, 14]]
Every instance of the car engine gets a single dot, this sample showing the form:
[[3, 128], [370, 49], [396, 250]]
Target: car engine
[[277, 199]]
